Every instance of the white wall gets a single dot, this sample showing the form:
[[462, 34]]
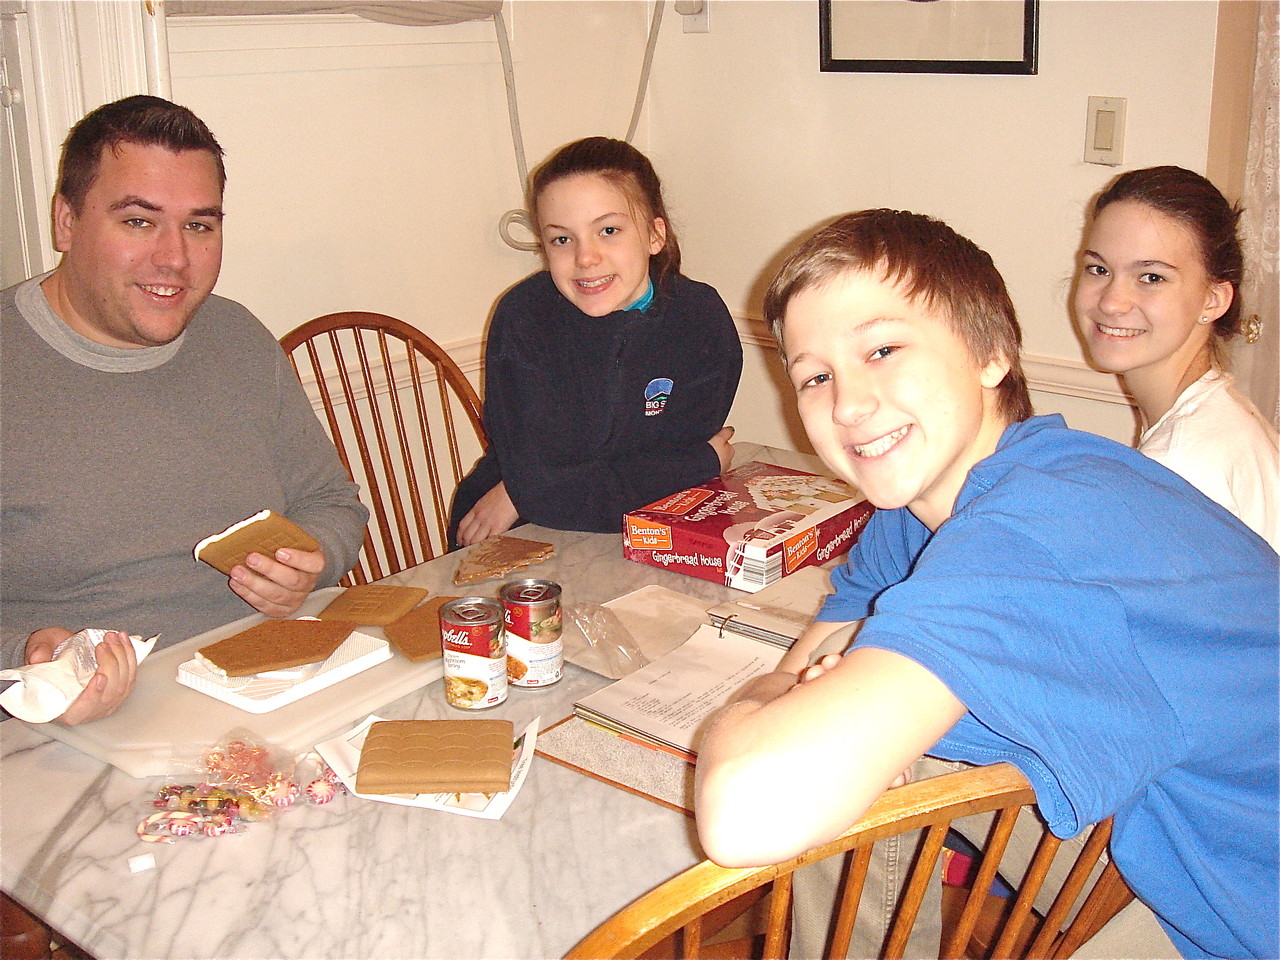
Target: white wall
[[369, 163]]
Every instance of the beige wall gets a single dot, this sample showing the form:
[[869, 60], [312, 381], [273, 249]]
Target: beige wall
[[369, 163]]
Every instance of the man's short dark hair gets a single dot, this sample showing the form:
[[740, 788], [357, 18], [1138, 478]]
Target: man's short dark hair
[[141, 119]]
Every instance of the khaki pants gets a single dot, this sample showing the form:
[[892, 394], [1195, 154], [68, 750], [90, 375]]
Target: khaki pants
[[1133, 933]]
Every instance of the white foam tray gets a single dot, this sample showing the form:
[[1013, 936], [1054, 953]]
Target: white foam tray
[[264, 693], [165, 726]]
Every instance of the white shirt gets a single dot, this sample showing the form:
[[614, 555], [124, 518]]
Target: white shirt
[[1215, 438]]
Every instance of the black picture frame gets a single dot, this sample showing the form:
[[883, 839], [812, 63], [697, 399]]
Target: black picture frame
[[919, 25]]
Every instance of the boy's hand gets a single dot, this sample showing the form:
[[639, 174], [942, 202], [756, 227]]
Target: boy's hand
[[821, 667], [825, 665], [766, 687], [276, 587]]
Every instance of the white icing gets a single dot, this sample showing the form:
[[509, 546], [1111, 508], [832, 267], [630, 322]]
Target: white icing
[[260, 515]]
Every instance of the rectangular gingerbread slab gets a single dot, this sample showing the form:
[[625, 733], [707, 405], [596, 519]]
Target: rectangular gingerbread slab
[[436, 756], [267, 692], [263, 533], [275, 645]]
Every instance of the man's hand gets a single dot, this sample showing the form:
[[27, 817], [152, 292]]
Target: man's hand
[[111, 683], [723, 448], [276, 587], [493, 513]]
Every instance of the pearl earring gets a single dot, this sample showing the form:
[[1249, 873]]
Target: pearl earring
[[1204, 319]]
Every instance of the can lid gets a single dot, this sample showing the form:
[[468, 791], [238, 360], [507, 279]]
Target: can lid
[[471, 610], [530, 591]]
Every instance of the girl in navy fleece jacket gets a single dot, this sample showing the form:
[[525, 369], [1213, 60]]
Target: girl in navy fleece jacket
[[609, 375]]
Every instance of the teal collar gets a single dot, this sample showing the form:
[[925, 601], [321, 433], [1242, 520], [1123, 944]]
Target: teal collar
[[645, 299]]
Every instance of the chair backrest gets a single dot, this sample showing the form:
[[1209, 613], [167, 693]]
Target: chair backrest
[[393, 402], [680, 904]]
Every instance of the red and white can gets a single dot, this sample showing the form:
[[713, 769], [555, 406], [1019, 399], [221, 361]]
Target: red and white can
[[475, 654], [535, 651]]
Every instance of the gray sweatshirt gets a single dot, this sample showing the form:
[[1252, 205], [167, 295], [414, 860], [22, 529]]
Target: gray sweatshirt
[[114, 463]]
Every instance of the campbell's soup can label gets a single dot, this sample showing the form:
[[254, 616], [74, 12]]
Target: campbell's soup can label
[[475, 655], [535, 651]]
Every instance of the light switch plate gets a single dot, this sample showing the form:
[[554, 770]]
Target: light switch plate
[[1104, 131]]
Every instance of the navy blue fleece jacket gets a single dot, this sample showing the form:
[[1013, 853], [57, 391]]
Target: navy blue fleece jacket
[[590, 417]]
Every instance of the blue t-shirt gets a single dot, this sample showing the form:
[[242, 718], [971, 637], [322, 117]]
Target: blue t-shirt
[[1113, 633]]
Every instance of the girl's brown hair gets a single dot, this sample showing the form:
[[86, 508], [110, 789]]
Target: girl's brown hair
[[626, 168], [1199, 206]]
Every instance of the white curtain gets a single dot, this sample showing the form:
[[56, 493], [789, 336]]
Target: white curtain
[[1256, 359], [409, 13]]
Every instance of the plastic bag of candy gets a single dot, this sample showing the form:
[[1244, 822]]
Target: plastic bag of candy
[[234, 783]]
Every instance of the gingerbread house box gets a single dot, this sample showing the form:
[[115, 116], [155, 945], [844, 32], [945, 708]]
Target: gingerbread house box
[[748, 527]]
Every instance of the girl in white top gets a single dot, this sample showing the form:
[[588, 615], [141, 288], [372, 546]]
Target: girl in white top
[[1156, 301]]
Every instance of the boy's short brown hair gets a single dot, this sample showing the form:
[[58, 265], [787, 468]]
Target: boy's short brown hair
[[931, 264]]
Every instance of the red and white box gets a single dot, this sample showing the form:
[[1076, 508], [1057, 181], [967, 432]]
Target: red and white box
[[748, 527]]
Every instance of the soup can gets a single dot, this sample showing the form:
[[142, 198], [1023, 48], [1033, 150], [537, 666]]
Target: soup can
[[531, 613], [475, 655]]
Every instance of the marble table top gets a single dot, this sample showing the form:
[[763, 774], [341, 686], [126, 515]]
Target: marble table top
[[355, 878]]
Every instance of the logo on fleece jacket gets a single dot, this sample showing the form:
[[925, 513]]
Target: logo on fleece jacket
[[655, 396]]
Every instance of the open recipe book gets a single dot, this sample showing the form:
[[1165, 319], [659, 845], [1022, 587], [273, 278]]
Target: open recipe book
[[666, 703]]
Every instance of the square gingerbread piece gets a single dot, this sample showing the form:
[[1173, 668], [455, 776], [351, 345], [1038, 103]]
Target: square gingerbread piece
[[417, 634], [436, 756], [373, 604]]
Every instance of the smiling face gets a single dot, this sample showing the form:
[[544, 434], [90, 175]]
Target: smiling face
[[1142, 291], [596, 249], [890, 396], [144, 251]]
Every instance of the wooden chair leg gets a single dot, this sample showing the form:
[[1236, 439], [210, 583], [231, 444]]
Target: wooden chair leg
[[22, 935]]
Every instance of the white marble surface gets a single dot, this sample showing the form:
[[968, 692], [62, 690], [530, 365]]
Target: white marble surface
[[354, 878]]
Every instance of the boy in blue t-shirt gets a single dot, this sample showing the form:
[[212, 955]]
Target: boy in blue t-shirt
[[1028, 593]]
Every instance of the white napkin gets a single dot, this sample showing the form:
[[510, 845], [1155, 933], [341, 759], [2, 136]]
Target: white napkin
[[43, 691]]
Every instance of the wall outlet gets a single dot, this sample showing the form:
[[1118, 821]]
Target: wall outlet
[[694, 13]]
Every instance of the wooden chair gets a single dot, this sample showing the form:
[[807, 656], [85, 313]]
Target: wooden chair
[[392, 401], [681, 903]]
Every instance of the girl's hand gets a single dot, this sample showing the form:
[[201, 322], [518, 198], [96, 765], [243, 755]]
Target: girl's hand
[[723, 448], [493, 513]]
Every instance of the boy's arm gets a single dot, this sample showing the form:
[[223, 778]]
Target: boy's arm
[[787, 767]]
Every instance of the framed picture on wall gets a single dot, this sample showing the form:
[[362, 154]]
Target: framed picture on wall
[[928, 36]]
